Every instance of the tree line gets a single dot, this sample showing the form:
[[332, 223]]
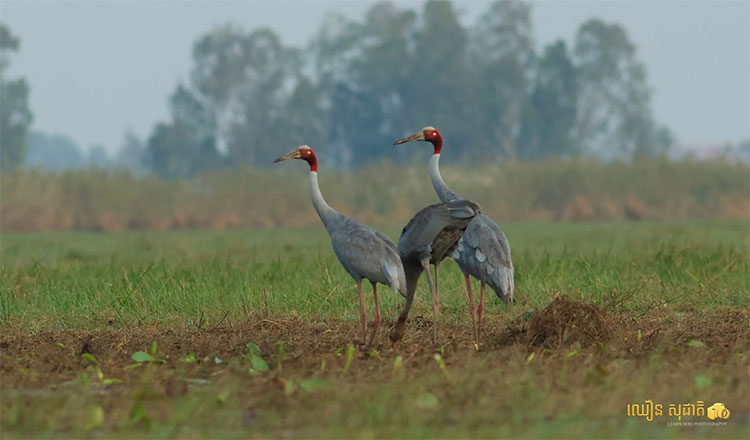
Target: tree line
[[15, 115], [359, 84]]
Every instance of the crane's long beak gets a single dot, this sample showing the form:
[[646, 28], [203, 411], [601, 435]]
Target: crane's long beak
[[293, 155], [418, 136]]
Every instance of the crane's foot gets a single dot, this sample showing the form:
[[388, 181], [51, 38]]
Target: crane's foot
[[435, 334], [479, 329], [397, 332], [372, 336]]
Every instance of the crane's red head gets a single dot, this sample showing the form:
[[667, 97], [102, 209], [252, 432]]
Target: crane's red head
[[303, 152], [427, 134]]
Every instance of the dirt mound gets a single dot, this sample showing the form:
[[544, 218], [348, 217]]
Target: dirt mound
[[563, 322]]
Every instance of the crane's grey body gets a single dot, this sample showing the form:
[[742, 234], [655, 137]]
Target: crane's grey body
[[430, 236], [483, 250], [363, 251], [484, 253], [434, 231]]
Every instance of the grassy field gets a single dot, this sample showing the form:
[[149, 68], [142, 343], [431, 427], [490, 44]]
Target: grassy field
[[643, 310]]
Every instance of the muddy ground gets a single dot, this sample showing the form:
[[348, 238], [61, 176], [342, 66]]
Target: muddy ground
[[589, 344]]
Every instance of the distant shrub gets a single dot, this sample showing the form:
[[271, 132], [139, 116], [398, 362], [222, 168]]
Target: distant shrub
[[383, 195]]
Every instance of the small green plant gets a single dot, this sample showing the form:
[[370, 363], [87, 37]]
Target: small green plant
[[574, 353], [142, 357], [97, 371], [281, 354], [443, 367], [222, 397], [348, 359], [139, 416], [95, 417], [702, 381], [398, 366], [189, 358], [290, 386], [312, 384], [531, 357], [257, 364]]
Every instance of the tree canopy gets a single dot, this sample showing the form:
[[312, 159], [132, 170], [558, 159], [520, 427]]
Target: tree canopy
[[359, 85], [15, 115]]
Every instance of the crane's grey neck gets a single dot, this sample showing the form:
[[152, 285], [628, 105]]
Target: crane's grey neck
[[325, 212], [442, 190]]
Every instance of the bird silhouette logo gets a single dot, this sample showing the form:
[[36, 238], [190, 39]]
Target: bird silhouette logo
[[717, 411]]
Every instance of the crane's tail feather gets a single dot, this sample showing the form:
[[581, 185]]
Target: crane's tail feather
[[503, 283], [395, 276]]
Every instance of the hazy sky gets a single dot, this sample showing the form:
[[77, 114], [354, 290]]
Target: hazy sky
[[98, 67]]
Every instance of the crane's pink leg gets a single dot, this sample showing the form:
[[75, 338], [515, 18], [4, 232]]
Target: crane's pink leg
[[435, 304], [436, 298], [377, 313], [362, 314], [480, 311], [437, 291], [472, 310]]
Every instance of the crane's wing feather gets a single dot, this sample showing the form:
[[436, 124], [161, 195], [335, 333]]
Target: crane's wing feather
[[462, 208], [367, 253], [387, 240], [484, 252], [392, 265], [420, 233]]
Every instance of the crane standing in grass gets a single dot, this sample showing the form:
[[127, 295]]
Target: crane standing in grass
[[431, 235], [483, 251], [363, 251]]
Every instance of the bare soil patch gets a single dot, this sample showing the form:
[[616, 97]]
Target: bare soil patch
[[47, 356], [567, 357]]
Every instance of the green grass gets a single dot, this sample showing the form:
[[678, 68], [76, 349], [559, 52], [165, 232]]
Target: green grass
[[80, 280], [201, 292]]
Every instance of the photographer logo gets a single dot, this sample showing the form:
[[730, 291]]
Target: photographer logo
[[716, 413]]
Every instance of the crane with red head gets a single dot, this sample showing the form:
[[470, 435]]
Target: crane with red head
[[483, 250], [432, 235], [364, 252]]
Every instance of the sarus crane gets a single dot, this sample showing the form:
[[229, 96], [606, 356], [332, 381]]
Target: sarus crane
[[363, 251], [430, 236], [483, 250]]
